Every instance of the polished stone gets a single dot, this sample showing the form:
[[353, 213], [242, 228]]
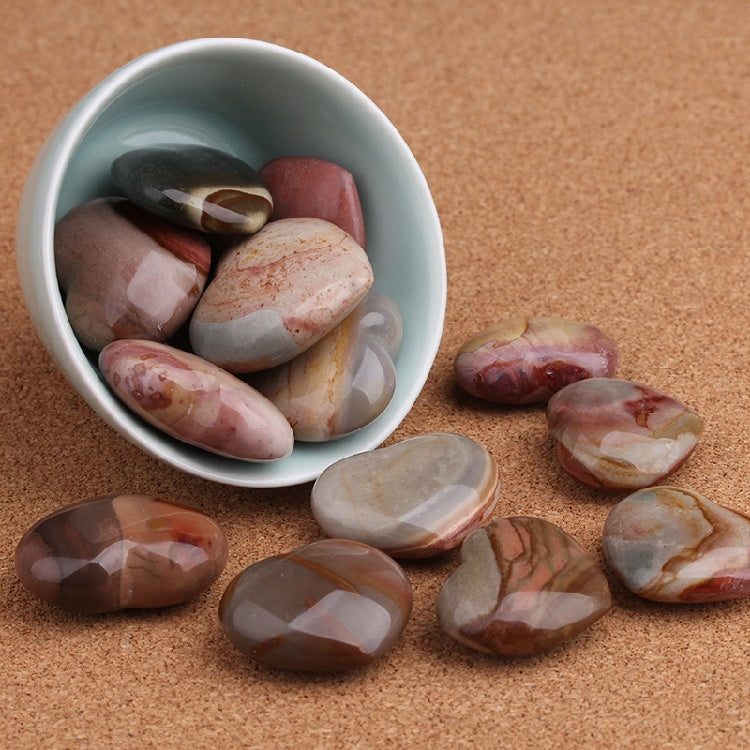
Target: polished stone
[[343, 382], [416, 498], [523, 586], [125, 273], [195, 186], [670, 544], [195, 401], [277, 293], [303, 186], [121, 552], [616, 434], [525, 360], [332, 605]]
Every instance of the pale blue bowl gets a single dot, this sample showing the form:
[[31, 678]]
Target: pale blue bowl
[[257, 101]]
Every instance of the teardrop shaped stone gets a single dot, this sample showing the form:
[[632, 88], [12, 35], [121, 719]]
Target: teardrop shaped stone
[[196, 186], [195, 401], [416, 498], [305, 186], [670, 544], [523, 586], [343, 382], [277, 293], [121, 552], [615, 434], [332, 605], [525, 360], [126, 273]]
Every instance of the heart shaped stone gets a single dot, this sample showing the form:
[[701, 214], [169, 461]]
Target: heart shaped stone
[[332, 605], [416, 498], [619, 435], [343, 382], [526, 360], [523, 586], [670, 544], [277, 293]]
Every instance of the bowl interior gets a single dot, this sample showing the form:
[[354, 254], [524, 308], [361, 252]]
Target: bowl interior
[[257, 101]]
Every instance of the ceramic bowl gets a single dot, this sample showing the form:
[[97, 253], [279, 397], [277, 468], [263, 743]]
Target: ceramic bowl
[[255, 100]]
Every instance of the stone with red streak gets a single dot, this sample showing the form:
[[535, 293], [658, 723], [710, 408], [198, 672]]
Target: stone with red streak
[[277, 293], [194, 401]]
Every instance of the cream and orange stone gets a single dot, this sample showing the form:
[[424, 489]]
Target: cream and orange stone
[[277, 293]]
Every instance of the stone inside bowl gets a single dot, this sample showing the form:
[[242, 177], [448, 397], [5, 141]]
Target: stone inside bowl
[[256, 101]]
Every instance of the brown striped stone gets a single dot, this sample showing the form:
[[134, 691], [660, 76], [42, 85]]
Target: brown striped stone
[[523, 586], [332, 605], [121, 552]]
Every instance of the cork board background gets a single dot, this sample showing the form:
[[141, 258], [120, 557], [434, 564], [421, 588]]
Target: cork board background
[[588, 160]]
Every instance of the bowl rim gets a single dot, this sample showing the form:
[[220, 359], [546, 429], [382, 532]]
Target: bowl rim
[[35, 259]]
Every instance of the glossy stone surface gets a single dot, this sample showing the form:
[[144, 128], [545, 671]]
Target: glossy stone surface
[[125, 273], [277, 293], [523, 586], [343, 382], [670, 544], [195, 401], [416, 498], [304, 186], [332, 605], [121, 552], [525, 360], [616, 434], [195, 186]]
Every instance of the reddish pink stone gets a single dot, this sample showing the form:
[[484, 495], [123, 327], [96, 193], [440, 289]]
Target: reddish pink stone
[[305, 187]]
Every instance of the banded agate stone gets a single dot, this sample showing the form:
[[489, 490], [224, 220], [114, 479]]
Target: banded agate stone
[[196, 186], [523, 586], [670, 544], [125, 273], [120, 552], [525, 360], [618, 435], [343, 382], [417, 498], [194, 401], [277, 293], [332, 605]]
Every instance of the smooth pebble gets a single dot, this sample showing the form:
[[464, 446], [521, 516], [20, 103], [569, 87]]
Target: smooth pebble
[[416, 498], [195, 401], [332, 605], [121, 552]]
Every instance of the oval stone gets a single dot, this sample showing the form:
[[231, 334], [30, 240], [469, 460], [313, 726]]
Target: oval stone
[[195, 186], [616, 434], [125, 273], [277, 293], [303, 186], [525, 360], [121, 552], [332, 605], [195, 401], [670, 544], [523, 586], [343, 382], [416, 498]]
